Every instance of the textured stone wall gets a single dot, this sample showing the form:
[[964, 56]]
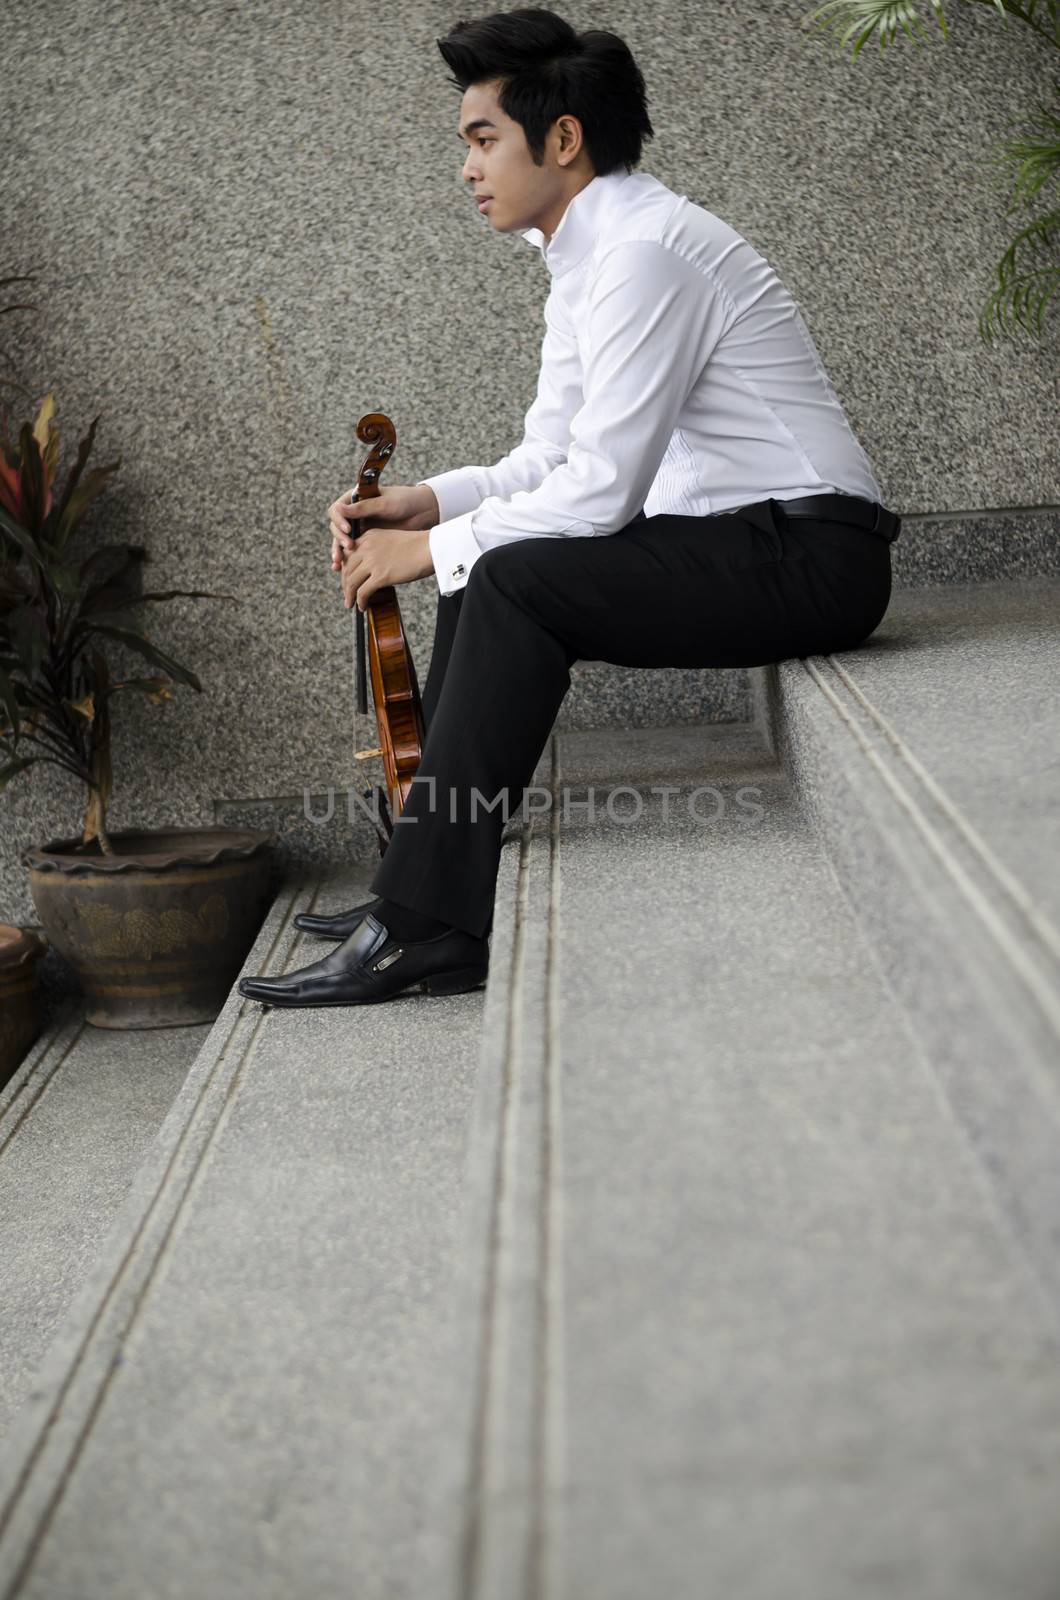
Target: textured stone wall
[[250, 228]]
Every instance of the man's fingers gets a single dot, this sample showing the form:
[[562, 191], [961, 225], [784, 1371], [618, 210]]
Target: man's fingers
[[340, 543], [350, 572], [355, 592], [342, 513]]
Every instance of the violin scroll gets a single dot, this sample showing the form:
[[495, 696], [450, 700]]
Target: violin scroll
[[375, 429]]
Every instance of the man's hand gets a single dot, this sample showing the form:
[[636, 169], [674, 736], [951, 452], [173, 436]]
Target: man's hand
[[400, 506], [380, 556]]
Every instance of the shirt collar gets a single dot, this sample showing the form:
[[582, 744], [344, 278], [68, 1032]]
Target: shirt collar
[[579, 224]]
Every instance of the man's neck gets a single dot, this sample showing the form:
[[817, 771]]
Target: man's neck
[[561, 210]]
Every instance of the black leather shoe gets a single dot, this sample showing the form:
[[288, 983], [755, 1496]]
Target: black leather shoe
[[340, 926], [372, 965]]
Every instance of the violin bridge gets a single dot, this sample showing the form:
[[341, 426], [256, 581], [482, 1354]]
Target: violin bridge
[[365, 755]]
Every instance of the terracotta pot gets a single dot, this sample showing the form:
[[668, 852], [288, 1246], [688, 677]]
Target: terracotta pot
[[20, 1003], [156, 932]]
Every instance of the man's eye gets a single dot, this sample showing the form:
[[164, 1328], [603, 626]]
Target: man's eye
[[485, 141]]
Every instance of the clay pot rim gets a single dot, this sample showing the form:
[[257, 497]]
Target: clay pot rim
[[204, 846], [24, 946]]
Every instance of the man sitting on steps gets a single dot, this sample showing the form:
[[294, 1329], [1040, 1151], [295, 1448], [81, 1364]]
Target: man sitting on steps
[[688, 492]]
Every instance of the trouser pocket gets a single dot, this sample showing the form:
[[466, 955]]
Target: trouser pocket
[[767, 541]]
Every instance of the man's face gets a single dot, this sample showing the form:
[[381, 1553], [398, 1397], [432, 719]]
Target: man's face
[[499, 164]]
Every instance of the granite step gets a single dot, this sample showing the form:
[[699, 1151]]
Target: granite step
[[76, 1120], [671, 1263], [241, 1395], [739, 1311], [927, 761]]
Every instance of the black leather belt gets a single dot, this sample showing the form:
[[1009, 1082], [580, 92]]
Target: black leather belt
[[868, 514]]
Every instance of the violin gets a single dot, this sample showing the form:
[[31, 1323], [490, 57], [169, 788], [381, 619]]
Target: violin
[[395, 691]]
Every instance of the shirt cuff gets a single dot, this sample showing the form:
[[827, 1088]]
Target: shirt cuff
[[455, 491], [454, 551]]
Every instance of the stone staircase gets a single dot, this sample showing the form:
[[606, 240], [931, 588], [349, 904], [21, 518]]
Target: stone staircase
[[712, 1249]]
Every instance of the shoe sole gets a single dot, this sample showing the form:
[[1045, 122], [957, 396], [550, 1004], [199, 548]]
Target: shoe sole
[[460, 982]]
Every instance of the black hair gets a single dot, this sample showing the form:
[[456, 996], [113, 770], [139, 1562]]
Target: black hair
[[549, 71]]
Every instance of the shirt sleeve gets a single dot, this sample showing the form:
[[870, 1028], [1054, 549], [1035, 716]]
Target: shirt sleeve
[[652, 321], [546, 429]]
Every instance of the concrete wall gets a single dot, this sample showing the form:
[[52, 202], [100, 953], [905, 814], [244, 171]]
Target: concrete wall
[[250, 228]]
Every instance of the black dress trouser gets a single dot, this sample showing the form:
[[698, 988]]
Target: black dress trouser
[[735, 589]]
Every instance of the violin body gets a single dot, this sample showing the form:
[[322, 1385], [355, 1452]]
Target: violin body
[[396, 693], [395, 690]]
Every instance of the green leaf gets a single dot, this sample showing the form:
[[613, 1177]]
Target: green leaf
[[84, 450], [114, 568], [1025, 295], [1037, 152], [88, 622], [150, 652], [12, 584], [65, 579], [80, 500], [872, 18], [29, 636], [124, 557], [114, 599], [32, 474], [108, 597], [22, 537], [7, 694]]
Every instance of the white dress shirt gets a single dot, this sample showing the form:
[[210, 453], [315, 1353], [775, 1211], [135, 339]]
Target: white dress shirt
[[677, 375]]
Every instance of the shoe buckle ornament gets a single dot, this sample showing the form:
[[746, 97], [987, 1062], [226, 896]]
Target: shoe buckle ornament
[[388, 960]]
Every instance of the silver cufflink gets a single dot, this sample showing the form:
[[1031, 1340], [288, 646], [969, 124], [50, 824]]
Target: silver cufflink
[[459, 570]]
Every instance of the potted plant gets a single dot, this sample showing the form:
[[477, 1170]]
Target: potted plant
[[156, 922], [20, 1006], [20, 950]]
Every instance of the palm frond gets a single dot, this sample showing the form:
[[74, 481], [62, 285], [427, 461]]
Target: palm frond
[[1037, 152], [879, 19], [1024, 295]]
